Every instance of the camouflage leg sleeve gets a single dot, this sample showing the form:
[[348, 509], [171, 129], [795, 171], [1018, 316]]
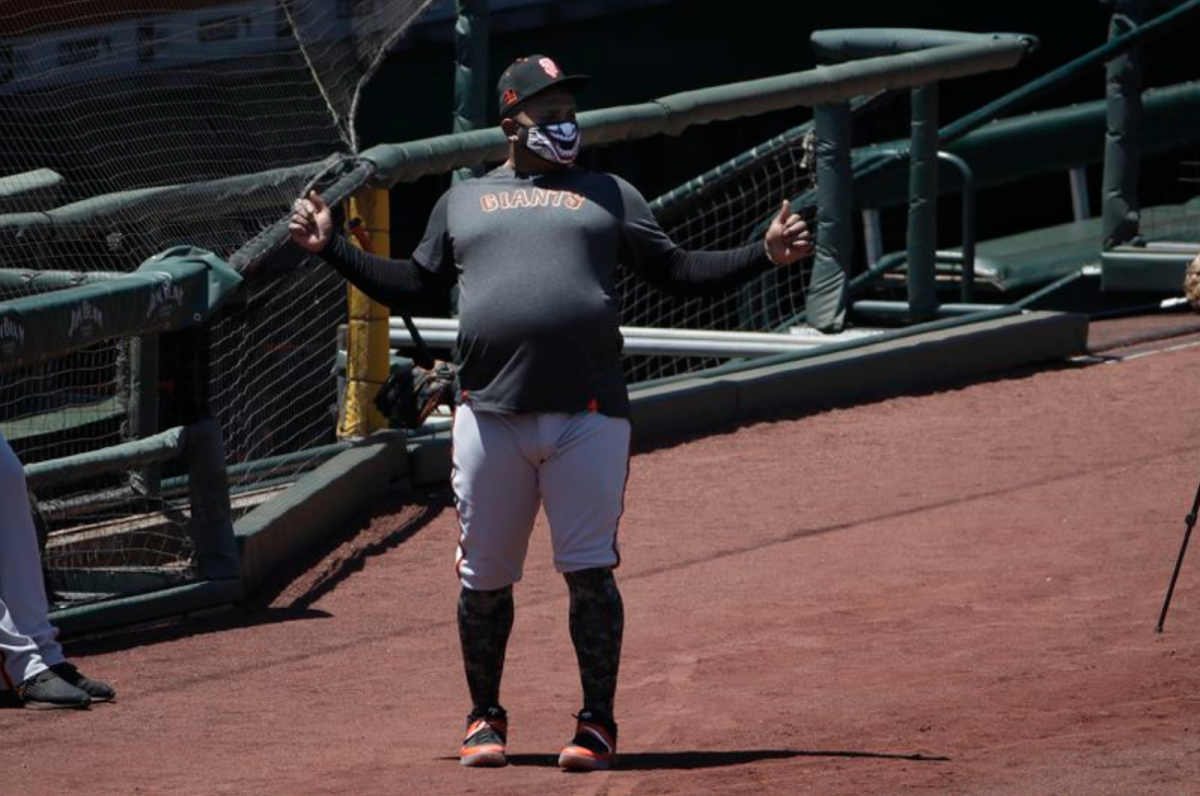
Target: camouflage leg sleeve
[[485, 619], [597, 624]]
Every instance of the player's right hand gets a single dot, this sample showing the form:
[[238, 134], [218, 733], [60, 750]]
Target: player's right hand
[[311, 224]]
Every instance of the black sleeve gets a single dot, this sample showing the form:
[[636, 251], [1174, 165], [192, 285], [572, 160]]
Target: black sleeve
[[386, 280], [658, 260], [705, 272], [389, 281]]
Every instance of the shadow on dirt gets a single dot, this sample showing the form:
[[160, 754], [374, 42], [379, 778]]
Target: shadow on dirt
[[682, 761], [292, 591]]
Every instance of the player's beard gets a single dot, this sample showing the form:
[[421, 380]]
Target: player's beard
[[558, 143]]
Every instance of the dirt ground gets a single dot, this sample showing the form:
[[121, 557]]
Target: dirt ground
[[948, 593]]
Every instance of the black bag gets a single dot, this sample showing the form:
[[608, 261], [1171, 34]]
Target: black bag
[[413, 391]]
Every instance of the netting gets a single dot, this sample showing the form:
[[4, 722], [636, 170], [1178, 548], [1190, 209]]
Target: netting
[[101, 551], [281, 370], [128, 127], [64, 405], [729, 207], [723, 216]]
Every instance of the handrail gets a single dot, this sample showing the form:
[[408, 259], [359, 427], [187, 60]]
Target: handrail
[[1068, 72], [669, 203], [179, 288], [674, 113], [967, 289], [387, 164]]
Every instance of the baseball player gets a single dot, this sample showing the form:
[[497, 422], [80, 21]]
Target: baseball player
[[34, 673], [543, 411]]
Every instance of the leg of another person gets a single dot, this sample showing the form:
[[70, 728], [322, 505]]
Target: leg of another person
[[19, 657], [26, 680], [21, 584]]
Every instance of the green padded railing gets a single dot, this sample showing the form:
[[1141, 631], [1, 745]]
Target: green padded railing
[[181, 287]]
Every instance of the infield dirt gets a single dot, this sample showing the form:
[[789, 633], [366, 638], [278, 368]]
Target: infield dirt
[[947, 593]]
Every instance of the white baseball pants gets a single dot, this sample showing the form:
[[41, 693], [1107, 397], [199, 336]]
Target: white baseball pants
[[28, 642], [505, 466]]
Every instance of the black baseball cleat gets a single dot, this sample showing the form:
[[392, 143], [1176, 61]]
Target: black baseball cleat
[[594, 747], [483, 744], [46, 690], [98, 690]]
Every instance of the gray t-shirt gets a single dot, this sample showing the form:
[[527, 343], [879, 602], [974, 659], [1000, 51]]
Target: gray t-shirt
[[535, 258]]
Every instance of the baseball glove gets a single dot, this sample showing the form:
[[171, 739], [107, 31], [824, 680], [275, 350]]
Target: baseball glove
[[1191, 283], [411, 393]]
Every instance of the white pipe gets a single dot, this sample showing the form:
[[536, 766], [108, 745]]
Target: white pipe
[[430, 326], [1173, 246], [657, 346], [1080, 206]]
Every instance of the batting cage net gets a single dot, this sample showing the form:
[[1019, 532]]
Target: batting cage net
[[128, 127]]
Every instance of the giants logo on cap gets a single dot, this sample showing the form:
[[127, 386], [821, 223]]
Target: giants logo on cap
[[549, 67]]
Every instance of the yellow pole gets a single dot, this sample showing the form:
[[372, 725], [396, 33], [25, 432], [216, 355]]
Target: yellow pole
[[367, 337]]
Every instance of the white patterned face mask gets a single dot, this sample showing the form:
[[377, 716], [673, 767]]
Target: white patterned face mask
[[557, 143]]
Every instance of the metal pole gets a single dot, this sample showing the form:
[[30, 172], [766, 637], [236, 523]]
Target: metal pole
[[896, 309], [826, 300], [1191, 523], [664, 346], [143, 406], [470, 70], [1081, 206], [1120, 208], [872, 235], [1069, 71], [367, 336], [922, 204], [211, 523], [432, 326], [967, 290]]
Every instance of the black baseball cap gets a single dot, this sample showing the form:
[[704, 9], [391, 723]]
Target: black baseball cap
[[532, 75]]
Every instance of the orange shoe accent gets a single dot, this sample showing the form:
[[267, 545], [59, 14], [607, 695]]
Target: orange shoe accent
[[490, 752], [575, 757]]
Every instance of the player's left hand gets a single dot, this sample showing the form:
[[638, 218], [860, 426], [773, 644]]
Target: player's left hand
[[788, 239]]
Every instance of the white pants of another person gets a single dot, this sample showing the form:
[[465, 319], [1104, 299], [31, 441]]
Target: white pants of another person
[[506, 466], [28, 642]]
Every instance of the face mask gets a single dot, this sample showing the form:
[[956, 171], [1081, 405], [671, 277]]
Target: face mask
[[557, 143]]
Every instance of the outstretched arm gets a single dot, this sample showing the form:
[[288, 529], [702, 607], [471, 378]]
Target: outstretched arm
[[787, 241], [386, 280], [390, 282], [702, 272]]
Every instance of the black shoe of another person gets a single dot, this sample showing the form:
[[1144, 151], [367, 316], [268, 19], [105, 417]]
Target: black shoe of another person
[[594, 747], [46, 690], [98, 690]]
